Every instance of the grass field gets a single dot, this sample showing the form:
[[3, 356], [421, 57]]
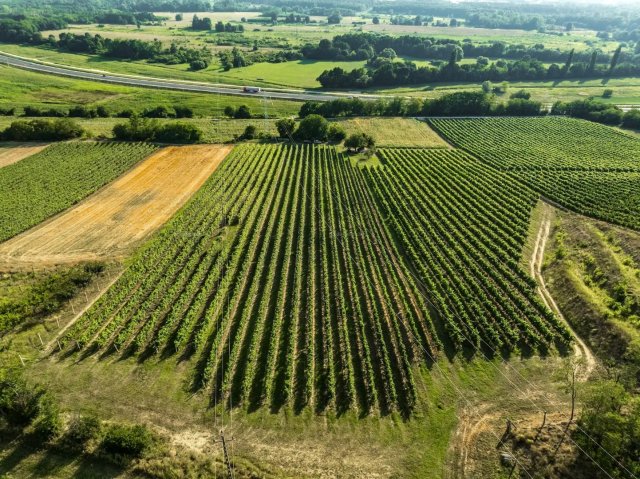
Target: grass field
[[13, 152], [20, 88], [395, 132]]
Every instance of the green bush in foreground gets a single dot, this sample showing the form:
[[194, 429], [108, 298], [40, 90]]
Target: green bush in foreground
[[129, 440]]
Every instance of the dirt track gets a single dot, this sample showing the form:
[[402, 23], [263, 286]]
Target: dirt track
[[585, 358], [116, 218], [14, 152]]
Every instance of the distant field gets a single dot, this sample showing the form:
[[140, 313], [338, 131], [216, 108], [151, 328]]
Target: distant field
[[62, 174], [589, 168], [123, 213], [396, 132]]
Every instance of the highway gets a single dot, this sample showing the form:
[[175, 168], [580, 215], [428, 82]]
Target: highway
[[300, 95]]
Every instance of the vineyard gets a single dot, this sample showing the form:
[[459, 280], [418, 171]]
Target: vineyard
[[292, 279], [59, 176], [589, 168]]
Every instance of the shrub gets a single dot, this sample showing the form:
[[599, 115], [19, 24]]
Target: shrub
[[285, 127], [608, 93], [631, 119], [80, 111], [243, 112], [229, 111], [178, 133], [336, 133], [125, 114], [7, 111], [48, 424], [312, 128], [521, 95], [137, 129], [127, 440], [249, 133], [102, 112], [196, 65], [157, 112], [38, 130], [19, 402], [359, 141], [83, 429], [183, 112]]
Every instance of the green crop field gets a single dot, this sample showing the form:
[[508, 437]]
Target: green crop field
[[59, 176], [590, 168], [283, 283]]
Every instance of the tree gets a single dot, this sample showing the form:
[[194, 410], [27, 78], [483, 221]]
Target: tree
[[285, 127], [521, 94], [196, 65], [457, 54], [102, 112], [631, 120], [615, 59], [482, 61], [486, 86], [237, 58], [334, 19], [592, 62], [335, 133], [249, 133], [389, 53], [567, 65], [243, 112], [359, 141], [608, 93], [312, 128], [229, 111], [179, 17], [375, 20]]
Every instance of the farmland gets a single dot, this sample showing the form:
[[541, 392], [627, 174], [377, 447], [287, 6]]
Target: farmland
[[111, 222], [234, 294], [589, 168], [58, 177], [12, 153]]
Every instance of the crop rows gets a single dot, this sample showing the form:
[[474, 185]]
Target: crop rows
[[289, 279], [57, 177], [463, 232], [589, 168]]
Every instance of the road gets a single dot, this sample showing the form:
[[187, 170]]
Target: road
[[300, 95]]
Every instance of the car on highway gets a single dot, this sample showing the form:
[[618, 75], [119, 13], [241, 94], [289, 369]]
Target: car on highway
[[251, 89]]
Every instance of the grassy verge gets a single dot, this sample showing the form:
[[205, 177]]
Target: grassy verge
[[20, 88]]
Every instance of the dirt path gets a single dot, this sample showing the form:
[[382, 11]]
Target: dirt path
[[111, 222], [585, 358], [14, 152]]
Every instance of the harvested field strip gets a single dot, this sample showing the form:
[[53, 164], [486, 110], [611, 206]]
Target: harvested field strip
[[110, 222], [13, 152], [58, 177]]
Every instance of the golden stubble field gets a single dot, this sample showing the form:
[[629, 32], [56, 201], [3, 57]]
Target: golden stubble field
[[111, 222]]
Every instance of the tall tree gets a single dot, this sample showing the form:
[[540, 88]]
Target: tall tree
[[615, 59], [592, 63], [567, 65]]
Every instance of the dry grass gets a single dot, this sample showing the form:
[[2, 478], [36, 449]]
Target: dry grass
[[396, 132]]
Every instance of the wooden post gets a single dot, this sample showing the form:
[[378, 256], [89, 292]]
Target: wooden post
[[40, 338], [226, 457]]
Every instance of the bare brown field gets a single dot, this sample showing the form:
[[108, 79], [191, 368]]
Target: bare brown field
[[111, 222], [13, 152]]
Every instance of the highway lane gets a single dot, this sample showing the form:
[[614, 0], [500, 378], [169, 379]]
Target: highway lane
[[166, 84]]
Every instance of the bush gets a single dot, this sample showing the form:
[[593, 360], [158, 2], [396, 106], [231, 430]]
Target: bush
[[157, 112], [7, 111], [138, 129], [249, 133], [178, 133], [42, 130], [127, 440], [336, 133], [183, 112], [102, 112], [608, 93], [81, 112], [285, 127], [125, 114], [359, 141], [19, 402], [48, 424], [521, 95], [83, 429], [631, 119], [243, 112], [229, 111], [196, 65], [312, 128]]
